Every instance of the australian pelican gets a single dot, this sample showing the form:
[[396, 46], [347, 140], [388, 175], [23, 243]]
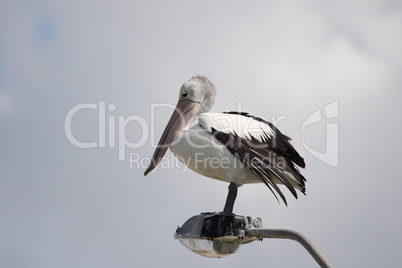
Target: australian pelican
[[234, 147]]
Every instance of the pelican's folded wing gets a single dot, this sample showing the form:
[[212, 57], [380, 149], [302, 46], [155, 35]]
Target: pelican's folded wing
[[260, 146]]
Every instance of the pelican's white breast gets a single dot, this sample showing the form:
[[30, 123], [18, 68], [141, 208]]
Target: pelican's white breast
[[200, 151]]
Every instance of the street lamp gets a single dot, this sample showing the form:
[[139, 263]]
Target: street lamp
[[217, 235]]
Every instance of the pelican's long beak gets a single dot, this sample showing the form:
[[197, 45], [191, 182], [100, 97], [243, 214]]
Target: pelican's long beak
[[185, 111]]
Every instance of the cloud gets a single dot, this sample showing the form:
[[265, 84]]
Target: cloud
[[6, 102]]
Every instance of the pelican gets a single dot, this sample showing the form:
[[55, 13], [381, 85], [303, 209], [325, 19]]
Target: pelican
[[233, 147]]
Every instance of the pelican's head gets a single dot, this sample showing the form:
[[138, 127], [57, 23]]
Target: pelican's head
[[196, 96], [199, 90]]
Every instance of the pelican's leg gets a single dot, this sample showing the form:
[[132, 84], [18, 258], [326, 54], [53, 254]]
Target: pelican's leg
[[230, 199]]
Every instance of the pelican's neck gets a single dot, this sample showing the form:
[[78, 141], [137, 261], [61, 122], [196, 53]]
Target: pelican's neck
[[189, 124]]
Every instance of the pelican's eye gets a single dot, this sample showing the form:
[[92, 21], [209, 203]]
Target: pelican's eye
[[184, 94]]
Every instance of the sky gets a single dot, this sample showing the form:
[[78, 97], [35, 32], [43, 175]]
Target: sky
[[123, 63]]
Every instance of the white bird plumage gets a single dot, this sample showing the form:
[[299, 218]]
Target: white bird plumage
[[242, 126]]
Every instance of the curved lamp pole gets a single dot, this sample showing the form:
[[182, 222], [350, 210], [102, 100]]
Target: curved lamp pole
[[293, 235]]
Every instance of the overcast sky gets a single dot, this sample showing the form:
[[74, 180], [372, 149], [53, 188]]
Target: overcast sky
[[64, 206]]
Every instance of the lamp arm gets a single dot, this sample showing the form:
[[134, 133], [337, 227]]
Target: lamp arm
[[293, 235]]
